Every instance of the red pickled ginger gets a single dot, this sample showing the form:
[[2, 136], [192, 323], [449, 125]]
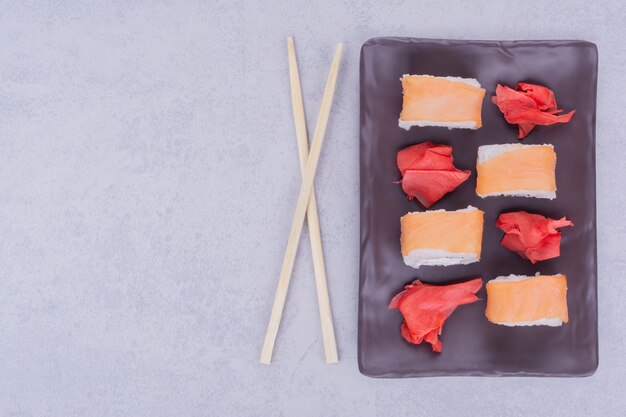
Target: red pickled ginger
[[532, 236], [426, 307], [428, 172], [529, 105]]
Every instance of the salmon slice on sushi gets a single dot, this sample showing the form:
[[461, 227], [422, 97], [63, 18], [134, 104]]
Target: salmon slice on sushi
[[517, 300], [440, 237], [451, 102], [516, 170]]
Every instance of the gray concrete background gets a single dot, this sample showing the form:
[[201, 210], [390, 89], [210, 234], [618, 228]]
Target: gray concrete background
[[148, 174]]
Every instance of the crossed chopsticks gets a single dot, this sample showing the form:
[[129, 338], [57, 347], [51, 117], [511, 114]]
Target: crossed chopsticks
[[306, 206]]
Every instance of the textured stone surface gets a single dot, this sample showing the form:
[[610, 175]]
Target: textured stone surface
[[148, 174]]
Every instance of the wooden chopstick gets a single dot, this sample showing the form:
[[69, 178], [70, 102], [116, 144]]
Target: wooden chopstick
[[326, 317], [300, 212]]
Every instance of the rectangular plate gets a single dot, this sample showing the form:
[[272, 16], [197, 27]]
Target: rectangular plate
[[471, 344]]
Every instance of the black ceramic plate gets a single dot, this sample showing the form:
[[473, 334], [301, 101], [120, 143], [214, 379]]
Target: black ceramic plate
[[471, 344]]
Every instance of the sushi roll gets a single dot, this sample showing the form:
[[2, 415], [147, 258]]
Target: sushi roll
[[440, 237], [518, 170], [451, 102], [517, 300]]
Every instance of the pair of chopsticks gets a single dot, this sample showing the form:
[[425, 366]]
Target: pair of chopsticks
[[306, 206]]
